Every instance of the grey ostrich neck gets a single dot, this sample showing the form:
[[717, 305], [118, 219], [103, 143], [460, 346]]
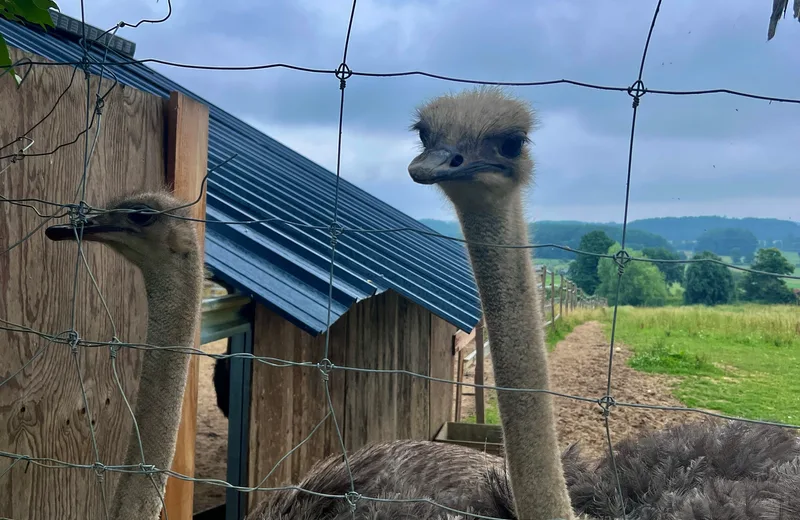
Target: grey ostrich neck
[[514, 321], [174, 291]]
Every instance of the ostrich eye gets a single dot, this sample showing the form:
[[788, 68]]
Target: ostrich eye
[[511, 146], [142, 219], [424, 136]]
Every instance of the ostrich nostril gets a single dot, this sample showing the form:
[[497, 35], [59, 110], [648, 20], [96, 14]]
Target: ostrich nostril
[[457, 161]]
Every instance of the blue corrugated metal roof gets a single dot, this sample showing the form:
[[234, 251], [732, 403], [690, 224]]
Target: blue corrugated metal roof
[[284, 267]]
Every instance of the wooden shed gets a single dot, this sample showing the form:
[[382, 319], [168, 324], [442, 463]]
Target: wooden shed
[[397, 297]]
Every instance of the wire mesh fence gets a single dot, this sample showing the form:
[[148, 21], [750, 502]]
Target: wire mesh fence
[[102, 64]]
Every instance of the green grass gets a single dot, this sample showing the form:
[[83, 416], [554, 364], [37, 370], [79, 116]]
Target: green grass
[[739, 360], [792, 256]]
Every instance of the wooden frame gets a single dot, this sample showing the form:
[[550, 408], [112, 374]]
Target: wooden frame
[[187, 162]]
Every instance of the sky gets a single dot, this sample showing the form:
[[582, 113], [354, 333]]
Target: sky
[[693, 155]]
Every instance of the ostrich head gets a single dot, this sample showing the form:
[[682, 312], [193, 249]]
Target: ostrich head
[[134, 228], [476, 136]]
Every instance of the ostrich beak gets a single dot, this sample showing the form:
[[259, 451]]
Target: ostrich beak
[[447, 164], [91, 231]]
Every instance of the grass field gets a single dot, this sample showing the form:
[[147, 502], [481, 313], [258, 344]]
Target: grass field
[[739, 360]]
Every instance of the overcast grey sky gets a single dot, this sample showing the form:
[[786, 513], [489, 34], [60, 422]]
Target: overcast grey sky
[[694, 155]]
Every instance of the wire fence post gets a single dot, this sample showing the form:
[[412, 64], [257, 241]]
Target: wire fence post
[[561, 295]]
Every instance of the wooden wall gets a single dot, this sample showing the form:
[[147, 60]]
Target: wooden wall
[[386, 332], [42, 410]]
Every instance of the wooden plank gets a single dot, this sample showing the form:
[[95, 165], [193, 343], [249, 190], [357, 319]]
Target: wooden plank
[[370, 398], [271, 403], [42, 407], [310, 400], [187, 160], [413, 354], [459, 388], [480, 406], [441, 366], [288, 402]]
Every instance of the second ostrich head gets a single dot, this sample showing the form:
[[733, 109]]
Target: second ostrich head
[[475, 137], [136, 227], [143, 228]]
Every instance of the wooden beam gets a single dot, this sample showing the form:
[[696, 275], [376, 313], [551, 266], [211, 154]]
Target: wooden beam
[[187, 161], [480, 408], [462, 340]]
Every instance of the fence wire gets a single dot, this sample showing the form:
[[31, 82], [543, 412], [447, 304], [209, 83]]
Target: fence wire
[[79, 210]]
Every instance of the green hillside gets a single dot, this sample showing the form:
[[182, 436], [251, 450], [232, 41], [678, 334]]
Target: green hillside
[[683, 230], [673, 233], [565, 233]]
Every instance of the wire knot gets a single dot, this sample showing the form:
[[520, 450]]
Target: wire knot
[[18, 156], [114, 347], [325, 366], [73, 339], [99, 105], [77, 213], [147, 469], [621, 258], [606, 402], [99, 470], [343, 73], [85, 63], [352, 498], [335, 230], [636, 91]]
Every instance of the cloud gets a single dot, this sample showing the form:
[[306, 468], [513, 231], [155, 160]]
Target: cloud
[[692, 154]]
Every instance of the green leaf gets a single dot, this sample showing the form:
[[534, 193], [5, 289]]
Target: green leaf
[[33, 13], [5, 61], [46, 4]]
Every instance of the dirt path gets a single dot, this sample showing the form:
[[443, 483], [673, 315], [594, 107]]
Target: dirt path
[[579, 366], [211, 442]]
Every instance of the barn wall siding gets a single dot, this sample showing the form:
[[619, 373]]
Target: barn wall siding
[[383, 332], [42, 408]]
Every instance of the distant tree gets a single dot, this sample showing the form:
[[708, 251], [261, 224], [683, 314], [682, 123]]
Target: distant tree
[[642, 283], [708, 283], [583, 270], [764, 288], [673, 272], [723, 241], [736, 255]]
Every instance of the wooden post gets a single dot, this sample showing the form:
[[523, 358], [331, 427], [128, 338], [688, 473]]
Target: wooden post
[[574, 295], [553, 298], [480, 407], [561, 295], [544, 285], [187, 161], [459, 388]]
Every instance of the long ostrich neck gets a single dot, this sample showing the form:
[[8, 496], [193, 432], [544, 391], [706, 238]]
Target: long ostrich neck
[[513, 314], [173, 298]]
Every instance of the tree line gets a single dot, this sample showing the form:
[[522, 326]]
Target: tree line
[[655, 284]]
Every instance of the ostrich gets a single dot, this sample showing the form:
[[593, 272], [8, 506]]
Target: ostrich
[[166, 251], [475, 149], [222, 381]]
